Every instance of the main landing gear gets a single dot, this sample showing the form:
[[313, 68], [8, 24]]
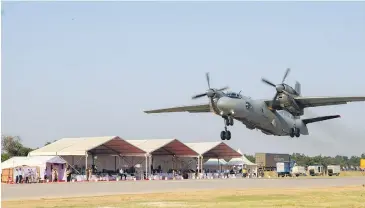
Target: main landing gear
[[228, 121], [294, 132]]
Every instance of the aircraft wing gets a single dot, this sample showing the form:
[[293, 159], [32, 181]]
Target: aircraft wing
[[205, 108], [323, 101]]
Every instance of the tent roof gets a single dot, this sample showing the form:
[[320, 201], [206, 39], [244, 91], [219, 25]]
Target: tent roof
[[214, 149], [94, 145], [31, 161], [241, 160], [213, 161], [164, 147]]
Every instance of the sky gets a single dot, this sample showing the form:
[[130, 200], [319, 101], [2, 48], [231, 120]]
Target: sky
[[75, 69]]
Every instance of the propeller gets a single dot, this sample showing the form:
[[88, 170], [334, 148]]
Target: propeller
[[211, 91], [280, 88]]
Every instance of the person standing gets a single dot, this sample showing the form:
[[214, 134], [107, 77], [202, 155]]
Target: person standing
[[53, 175], [121, 172], [87, 174], [56, 174], [21, 173], [68, 173], [16, 175], [90, 173], [26, 175]]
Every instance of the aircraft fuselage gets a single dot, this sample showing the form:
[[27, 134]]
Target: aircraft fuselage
[[255, 114]]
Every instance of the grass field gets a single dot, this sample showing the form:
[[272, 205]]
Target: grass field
[[353, 196]]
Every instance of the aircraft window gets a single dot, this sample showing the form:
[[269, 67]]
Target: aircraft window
[[248, 105], [234, 95]]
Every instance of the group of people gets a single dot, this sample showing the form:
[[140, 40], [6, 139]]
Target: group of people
[[25, 175]]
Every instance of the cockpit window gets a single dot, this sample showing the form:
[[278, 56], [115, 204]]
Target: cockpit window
[[234, 95]]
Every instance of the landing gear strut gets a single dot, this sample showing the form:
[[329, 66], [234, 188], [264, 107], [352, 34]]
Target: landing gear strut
[[228, 121], [294, 132]]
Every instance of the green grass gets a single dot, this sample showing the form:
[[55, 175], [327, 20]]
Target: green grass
[[325, 197]]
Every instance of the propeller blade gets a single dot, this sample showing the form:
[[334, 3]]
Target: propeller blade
[[286, 74], [199, 95], [208, 79], [274, 99], [268, 82]]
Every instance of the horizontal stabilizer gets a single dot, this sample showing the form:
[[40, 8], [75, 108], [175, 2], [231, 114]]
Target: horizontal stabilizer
[[317, 119]]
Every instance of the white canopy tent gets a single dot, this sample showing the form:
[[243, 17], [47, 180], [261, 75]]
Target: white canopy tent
[[85, 146], [213, 150], [244, 162], [31, 161], [43, 162], [215, 162], [156, 148]]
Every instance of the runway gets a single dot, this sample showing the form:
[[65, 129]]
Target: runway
[[56, 190]]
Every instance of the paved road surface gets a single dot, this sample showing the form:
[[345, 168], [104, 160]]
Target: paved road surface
[[38, 191]]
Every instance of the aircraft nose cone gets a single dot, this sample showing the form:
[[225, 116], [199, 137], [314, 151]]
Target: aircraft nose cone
[[279, 88], [224, 104]]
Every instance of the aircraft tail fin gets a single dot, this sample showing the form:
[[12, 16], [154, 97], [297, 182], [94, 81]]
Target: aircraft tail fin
[[297, 88], [318, 119]]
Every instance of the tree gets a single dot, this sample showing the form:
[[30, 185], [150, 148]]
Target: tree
[[4, 156], [12, 146]]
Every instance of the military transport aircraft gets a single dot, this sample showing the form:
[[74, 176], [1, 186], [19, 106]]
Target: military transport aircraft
[[279, 116]]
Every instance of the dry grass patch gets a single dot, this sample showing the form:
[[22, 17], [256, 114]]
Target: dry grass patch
[[352, 196]]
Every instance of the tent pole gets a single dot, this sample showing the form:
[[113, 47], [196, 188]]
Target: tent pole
[[198, 164], [201, 162], [146, 166], [86, 155]]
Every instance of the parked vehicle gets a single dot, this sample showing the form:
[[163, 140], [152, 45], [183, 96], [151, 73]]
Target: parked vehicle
[[333, 170], [283, 169], [316, 170], [268, 160], [298, 171]]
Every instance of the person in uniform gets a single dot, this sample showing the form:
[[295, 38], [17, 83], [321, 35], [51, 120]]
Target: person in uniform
[[87, 174], [68, 173]]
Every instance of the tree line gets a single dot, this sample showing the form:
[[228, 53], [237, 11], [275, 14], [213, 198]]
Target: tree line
[[12, 146], [304, 160]]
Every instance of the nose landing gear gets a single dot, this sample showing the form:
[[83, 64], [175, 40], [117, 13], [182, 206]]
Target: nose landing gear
[[228, 121]]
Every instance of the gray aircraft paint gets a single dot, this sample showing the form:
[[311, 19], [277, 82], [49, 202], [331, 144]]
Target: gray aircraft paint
[[260, 114]]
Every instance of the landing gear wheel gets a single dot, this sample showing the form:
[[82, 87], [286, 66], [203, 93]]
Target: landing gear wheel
[[292, 132], [297, 132], [223, 135], [228, 135]]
